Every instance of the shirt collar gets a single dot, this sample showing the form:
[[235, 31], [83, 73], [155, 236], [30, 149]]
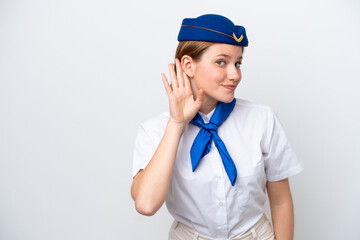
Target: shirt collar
[[207, 117]]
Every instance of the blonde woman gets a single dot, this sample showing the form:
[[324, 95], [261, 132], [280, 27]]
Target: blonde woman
[[213, 158]]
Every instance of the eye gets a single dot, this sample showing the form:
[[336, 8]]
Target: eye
[[220, 62], [237, 65]]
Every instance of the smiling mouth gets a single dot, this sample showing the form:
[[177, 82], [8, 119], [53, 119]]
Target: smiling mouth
[[230, 87]]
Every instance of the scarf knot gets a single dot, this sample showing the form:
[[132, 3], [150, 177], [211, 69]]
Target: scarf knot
[[210, 127]]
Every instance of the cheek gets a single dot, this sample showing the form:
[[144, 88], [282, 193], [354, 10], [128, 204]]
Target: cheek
[[216, 77], [213, 75], [209, 77], [210, 80]]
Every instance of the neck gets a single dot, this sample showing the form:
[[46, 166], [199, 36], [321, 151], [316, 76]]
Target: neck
[[208, 105]]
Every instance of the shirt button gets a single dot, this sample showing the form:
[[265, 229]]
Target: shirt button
[[220, 204]]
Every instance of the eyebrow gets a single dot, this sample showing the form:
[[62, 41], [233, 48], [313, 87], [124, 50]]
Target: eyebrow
[[227, 56]]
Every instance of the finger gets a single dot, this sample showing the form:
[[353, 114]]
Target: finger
[[187, 84], [179, 73], [174, 82], [200, 99], [166, 84]]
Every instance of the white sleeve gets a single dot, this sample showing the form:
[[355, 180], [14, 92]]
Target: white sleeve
[[280, 159], [145, 148]]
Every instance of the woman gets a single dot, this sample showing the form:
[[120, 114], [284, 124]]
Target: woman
[[213, 157]]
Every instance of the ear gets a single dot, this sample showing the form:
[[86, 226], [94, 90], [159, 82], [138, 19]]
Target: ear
[[188, 65]]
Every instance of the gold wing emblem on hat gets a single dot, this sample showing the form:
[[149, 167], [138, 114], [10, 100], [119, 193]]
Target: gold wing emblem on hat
[[238, 39]]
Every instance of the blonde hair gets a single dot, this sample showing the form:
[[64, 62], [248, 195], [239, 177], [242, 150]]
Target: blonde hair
[[194, 49]]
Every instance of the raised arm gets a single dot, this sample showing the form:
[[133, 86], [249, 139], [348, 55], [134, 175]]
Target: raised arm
[[150, 186]]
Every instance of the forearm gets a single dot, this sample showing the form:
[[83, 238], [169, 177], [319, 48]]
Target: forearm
[[283, 220], [150, 186], [282, 210]]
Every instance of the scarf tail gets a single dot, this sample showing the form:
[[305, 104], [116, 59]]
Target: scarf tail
[[200, 148], [228, 163]]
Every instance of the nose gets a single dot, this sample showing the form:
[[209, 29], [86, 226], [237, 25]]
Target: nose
[[234, 73]]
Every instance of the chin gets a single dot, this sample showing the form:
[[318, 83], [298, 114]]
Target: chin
[[221, 97], [227, 99]]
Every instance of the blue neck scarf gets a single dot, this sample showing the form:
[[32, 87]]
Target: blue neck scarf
[[208, 132]]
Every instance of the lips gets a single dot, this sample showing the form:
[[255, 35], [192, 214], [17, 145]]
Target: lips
[[230, 87]]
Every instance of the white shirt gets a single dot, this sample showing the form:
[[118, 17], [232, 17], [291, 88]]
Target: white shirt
[[205, 200]]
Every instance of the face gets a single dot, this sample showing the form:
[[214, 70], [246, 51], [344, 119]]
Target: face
[[217, 73]]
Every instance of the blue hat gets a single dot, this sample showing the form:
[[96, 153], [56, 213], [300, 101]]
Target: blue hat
[[212, 28]]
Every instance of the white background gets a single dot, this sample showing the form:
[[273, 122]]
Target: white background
[[78, 76]]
